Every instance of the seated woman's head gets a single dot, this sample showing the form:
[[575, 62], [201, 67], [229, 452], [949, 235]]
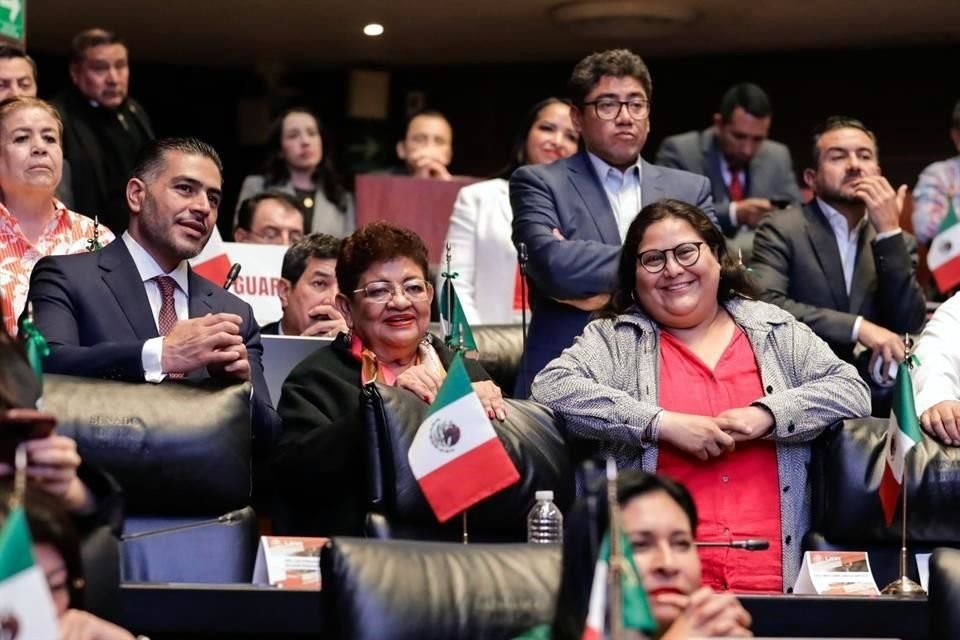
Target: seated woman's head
[[675, 265], [385, 293], [56, 546], [31, 152], [659, 519], [546, 134]]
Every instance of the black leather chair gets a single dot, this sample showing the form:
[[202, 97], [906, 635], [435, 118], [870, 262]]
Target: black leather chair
[[848, 463], [944, 597], [181, 451], [398, 509], [399, 590], [499, 347]]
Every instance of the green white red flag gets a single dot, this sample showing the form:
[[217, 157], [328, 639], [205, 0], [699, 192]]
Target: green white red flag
[[903, 434]]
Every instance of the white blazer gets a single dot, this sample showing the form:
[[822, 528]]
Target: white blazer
[[482, 253], [937, 377]]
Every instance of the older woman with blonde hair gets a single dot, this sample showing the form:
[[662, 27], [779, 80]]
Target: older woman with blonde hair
[[33, 223]]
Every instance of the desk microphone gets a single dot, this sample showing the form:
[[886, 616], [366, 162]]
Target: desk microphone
[[752, 544], [230, 518], [232, 275], [522, 258]]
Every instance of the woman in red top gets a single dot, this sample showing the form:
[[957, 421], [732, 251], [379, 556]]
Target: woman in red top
[[687, 376]]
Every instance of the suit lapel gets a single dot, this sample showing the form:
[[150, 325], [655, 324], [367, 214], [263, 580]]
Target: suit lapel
[[824, 244], [711, 162], [865, 271], [119, 273], [651, 184], [201, 295], [587, 184]]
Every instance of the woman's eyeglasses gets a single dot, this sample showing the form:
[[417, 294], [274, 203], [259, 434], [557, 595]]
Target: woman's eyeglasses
[[416, 290], [655, 260]]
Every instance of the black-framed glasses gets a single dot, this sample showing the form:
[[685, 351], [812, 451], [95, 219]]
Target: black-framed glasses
[[655, 260], [609, 109], [382, 292]]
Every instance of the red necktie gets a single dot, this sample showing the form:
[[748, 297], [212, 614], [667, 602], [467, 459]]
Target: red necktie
[[736, 187], [168, 313]]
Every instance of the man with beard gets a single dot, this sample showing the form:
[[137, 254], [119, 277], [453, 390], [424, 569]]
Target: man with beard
[[135, 310], [841, 263], [572, 214], [751, 175]]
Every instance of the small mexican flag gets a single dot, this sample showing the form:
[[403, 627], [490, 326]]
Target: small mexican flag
[[456, 331], [26, 608], [944, 256], [903, 433], [636, 609], [456, 455]]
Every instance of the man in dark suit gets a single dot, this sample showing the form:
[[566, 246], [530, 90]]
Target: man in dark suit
[[842, 264], [750, 174], [308, 288], [572, 214], [104, 129], [135, 310]]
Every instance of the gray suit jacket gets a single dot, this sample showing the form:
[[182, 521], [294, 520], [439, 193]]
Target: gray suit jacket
[[797, 265], [568, 196], [770, 174]]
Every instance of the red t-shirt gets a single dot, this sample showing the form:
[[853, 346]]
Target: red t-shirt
[[737, 494]]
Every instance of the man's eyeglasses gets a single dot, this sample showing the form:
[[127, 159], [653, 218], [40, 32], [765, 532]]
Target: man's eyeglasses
[[609, 109], [655, 260], [415, 290]]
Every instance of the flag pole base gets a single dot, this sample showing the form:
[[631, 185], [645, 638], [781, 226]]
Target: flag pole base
[[904, 587]]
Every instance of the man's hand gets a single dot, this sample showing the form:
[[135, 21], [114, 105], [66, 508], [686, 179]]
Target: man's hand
[[329, 322], [883, 203], [587, 304], [421, 380], [942, 421], [745, 423], [238, 368], [426, 165], [699, 436], [491, 398], [751, 211], [707, 615], [884, 344], [201, 342]]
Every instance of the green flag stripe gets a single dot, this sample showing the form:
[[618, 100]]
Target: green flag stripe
[[16, 548], [950, 219], [904, 406], [455, 386]]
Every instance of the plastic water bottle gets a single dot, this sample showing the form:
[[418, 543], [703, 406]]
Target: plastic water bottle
[[545, 522]]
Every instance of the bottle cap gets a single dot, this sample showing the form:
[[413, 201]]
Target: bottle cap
[[544, 495]]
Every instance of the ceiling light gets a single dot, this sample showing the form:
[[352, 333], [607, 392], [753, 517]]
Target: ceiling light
[[624, 18], [373, 30]]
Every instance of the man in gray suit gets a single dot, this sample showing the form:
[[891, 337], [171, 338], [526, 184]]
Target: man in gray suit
[[841, 263], [572, 214], [750, 174]]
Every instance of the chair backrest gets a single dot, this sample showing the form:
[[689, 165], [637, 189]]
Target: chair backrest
[[181, 452], [848, 465], [500, 347], [944, 593], [530, 434], [372, 589]]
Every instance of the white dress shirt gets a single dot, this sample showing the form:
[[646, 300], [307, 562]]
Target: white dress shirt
[[937, 376], [622, 189], [148, 269]]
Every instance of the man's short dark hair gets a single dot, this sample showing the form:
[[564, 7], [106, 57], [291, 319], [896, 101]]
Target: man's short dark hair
[[839, 122], [618, 63], [955, 119], [748, 97], [152, 157], [249, 206], [427, 113], [316, 245], [89, 38], [10, 52]]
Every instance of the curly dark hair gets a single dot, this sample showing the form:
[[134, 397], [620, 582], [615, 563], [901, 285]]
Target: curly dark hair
[[373, 243], [324, 176], [734, 280], [618, 63]]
